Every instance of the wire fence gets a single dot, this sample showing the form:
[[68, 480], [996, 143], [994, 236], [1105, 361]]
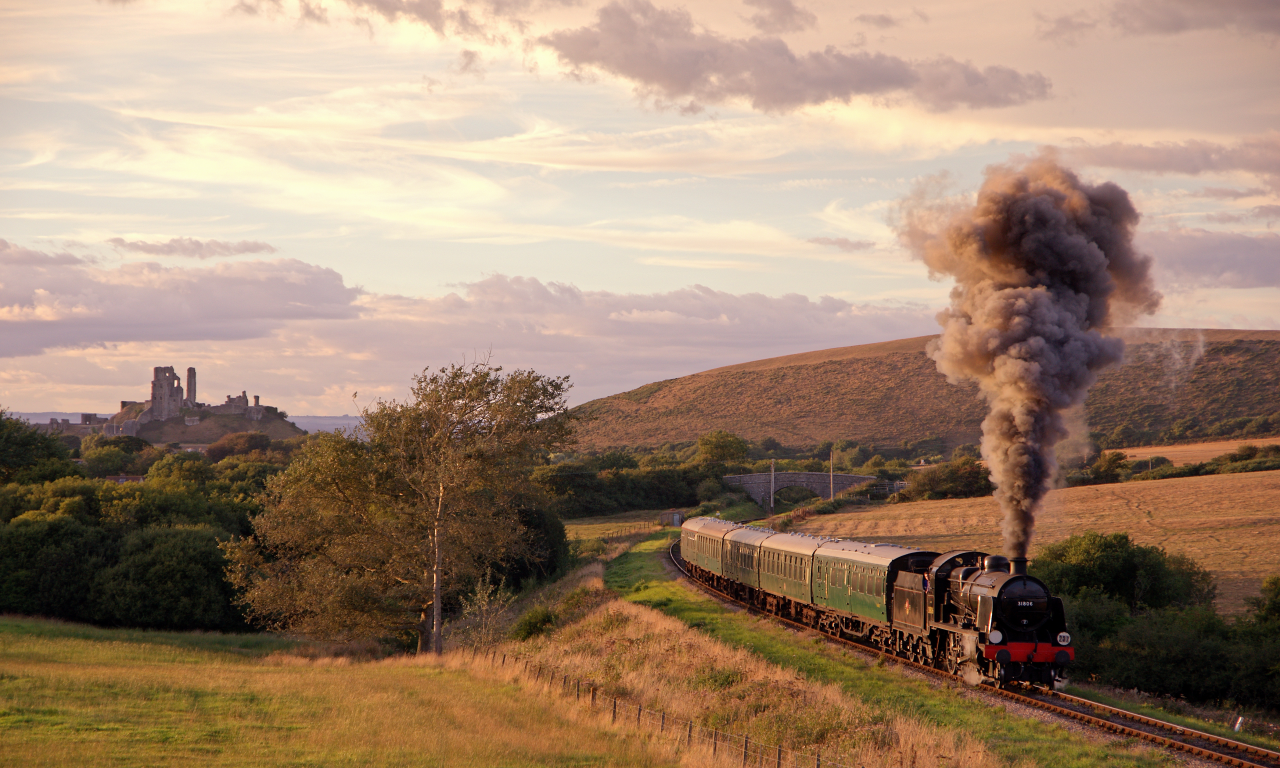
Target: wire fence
[[724, 747]]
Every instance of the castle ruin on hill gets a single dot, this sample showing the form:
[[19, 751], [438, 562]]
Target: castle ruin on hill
[[168, 401]]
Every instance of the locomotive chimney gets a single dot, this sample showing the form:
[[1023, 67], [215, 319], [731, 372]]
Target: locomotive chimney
[[1018, 566]]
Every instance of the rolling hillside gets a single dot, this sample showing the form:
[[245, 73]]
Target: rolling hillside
[[1173, 381]]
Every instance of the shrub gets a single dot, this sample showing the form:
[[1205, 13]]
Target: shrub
[[167, 578], [110, 460], [721, 446], [961, 478], [183, 465], [709, 489], [237, 443], [22, 445], [535, 621], [1113, 565]]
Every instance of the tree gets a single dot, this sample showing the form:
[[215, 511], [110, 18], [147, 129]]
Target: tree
[[721, 446], [22, 446], [368, 534], [1142, 577], [237, 443]]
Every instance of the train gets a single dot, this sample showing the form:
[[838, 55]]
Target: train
[[970, 613]]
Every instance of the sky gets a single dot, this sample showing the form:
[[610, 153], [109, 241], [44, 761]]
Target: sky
[[312, 200]]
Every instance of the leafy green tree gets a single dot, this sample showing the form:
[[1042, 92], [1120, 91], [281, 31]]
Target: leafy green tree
[[959, 479], [721, 446], [1111, 467], [1114, 565], [126, 443], [23, 446], [237, 443], [187, 466], [104, 461], [368, 537], [167, 578], [1266, 607]]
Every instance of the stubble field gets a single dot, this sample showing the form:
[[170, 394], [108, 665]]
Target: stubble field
[[1228, 523]]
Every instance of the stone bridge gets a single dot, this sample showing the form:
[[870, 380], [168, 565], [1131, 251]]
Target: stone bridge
[[762, 486]]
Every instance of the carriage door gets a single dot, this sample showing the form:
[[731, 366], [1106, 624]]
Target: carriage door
[[820, 572]]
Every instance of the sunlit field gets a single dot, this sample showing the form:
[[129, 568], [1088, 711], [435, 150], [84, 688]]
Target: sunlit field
[[1230, 524], [71, 695]]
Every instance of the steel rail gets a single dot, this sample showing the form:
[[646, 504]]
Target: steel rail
[[1273, 758]]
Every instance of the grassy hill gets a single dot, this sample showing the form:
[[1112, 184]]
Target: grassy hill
[[214, 426], [1178, 385]]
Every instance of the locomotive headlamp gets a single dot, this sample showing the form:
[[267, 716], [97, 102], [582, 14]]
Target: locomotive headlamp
[[995, 636], [1064, 638]]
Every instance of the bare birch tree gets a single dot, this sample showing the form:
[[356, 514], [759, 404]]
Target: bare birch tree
[[367, 534]]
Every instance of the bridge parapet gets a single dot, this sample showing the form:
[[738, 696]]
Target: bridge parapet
[[762, 485]]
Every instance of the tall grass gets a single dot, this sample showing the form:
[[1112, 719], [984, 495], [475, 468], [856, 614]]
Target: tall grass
[[74, 696]]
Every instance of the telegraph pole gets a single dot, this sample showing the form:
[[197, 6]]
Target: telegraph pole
[[773, 466], [832, 475]]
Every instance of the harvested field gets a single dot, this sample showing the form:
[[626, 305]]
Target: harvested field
[[1228, 523], [1194, 453]]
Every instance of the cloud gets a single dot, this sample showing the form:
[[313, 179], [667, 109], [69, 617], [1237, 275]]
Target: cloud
[[192, 248], [780, 16], [671, 60], [1170, 17], [1188, 259], [1224, 193], [1257, 154], [58, 301], [844, 243], [878, 20], [16, 256], [1066, 29], [300, 331]]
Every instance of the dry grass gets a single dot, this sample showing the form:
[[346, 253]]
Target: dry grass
[[646, 657], [889, 392], [72, 701], [1194, 453], [1228, 523]]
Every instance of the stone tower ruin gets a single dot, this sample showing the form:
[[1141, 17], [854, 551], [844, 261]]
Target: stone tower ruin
[[191, 387], [166, 393]]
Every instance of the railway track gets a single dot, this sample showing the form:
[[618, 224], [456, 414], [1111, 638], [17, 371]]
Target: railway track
[[1121, 722]]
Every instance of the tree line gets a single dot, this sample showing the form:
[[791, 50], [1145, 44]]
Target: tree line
[[1144, 619], [377, 533]]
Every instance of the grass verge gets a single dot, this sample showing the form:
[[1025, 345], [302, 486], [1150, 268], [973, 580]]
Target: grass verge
[[1017, 740]]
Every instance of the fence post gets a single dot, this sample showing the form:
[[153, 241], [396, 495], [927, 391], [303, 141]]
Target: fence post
[[715, 741], [593, 697], [746, 741], [615, 709], [817, 761], [778, 763], [639, 711], [504, 659], [577, 690], [663, 727]]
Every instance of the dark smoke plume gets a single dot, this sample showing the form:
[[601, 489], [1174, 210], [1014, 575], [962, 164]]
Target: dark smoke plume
[[1044, 268]]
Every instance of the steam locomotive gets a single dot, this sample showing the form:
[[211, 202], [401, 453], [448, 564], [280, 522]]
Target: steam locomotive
[[969, 613]]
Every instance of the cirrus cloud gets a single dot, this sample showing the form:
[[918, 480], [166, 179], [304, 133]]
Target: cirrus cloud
[[192, 248]]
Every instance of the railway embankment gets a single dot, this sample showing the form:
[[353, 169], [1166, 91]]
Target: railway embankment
[[679, 651]]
